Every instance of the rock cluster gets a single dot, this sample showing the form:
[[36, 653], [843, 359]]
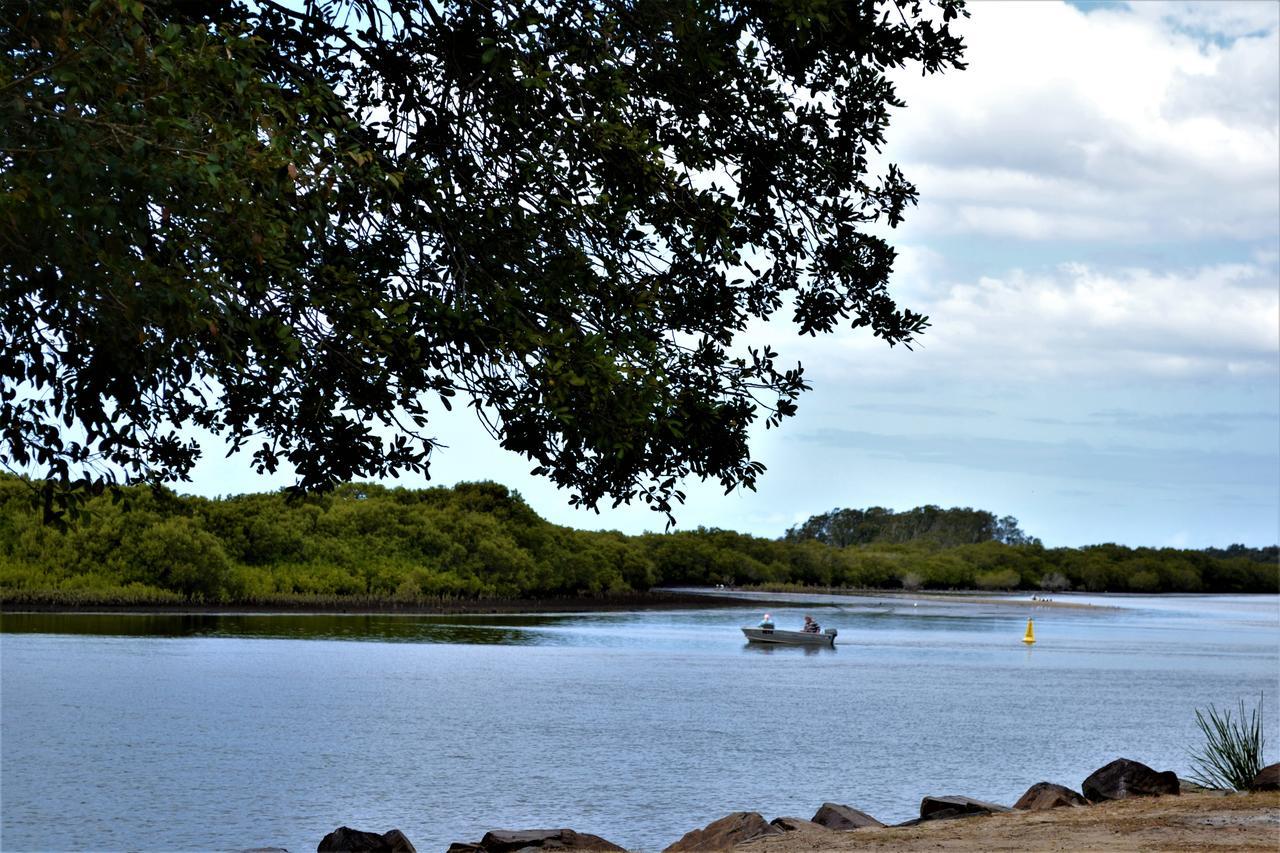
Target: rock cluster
[[344, 839], [836, 816], [509, 840], [943, 808], [1046, 795], [1117, 780], [794, 824], [1124, 778], [727, 832]]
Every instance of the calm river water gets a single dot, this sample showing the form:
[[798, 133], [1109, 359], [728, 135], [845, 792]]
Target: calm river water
[[224, 732]]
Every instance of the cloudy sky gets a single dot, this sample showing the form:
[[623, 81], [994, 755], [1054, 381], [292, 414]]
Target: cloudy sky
[[1098, 248]]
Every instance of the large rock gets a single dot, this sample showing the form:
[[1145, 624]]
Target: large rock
[[942, 808], [506, 840], [1046, 795], [1268, 779], [793, 824], [1124, 778], [836, 816], [344, 839], [725, 833]]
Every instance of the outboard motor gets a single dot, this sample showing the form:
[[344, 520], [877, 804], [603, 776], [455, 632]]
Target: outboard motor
[[831, 632]]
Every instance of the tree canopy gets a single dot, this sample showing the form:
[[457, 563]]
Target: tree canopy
[[947, 527], [302, 226]]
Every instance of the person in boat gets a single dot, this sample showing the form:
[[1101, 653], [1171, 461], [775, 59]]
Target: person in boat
[[767, 621], [811, 627]]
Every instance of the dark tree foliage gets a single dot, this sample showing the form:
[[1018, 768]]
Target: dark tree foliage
[[301, 226], [1269, 554], [948, 527]]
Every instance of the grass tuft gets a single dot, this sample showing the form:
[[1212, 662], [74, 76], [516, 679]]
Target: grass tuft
[[1232, 751]]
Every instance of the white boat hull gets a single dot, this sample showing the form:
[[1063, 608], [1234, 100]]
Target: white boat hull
[[790, 638]]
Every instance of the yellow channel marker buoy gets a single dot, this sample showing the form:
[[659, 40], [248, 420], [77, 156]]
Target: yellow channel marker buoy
[[1031, 634]]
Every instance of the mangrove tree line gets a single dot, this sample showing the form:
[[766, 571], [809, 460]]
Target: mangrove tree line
[[481, 541]]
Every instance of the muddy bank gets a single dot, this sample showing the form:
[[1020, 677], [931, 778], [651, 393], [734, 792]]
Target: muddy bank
[[17, 601], [1026, 599], [1030, 604]]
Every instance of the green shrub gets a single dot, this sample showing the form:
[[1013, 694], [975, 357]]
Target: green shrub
[[998, 579], [1232, 752]]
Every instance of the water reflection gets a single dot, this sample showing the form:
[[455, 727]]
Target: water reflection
[[778, 648], [483, 630]]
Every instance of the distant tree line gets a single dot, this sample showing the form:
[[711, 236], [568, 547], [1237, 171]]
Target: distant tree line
[[424, 547], [1269, 554], [947, 527]]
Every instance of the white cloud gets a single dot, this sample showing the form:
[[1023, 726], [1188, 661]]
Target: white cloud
[[1212, 18], [1075, 322], [1240, 88], [1108, 126], [1026, 222]]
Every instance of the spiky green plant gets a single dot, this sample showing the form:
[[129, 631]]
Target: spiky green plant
[[1232, 751]]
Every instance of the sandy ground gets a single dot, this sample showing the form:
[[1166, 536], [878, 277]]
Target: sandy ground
[[1197, 822]]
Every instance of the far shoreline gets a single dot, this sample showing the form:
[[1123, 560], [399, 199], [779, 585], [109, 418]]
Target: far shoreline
[[949, 596], [682, 598], [653, 600], [976, 597]]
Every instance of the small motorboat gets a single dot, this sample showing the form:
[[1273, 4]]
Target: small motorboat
[[790, 638]]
